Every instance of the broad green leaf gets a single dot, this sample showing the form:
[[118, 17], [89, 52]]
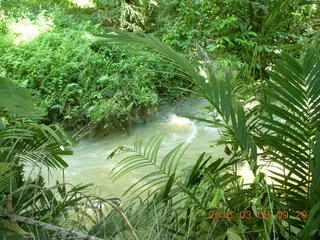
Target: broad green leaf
[[17, 100]]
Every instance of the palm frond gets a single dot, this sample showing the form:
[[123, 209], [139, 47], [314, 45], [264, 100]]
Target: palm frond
[[217, 92], [277, 8], [35, 143], [292, 126], [146, 156]]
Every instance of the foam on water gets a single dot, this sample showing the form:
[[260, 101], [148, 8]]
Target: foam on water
[[179, 123]]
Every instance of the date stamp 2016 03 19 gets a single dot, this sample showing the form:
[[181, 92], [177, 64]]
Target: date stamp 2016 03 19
[[258, 215]]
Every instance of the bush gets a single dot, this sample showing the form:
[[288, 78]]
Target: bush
[[79, 80]]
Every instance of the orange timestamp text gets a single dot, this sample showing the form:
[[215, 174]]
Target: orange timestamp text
[[260, 214]]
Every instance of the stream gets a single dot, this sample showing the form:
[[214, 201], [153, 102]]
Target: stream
[[89, 162]]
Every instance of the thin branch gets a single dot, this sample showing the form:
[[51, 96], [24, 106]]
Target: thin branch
[[47, 226]]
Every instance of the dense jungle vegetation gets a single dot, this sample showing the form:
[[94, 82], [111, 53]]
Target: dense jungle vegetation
[[73, 67]]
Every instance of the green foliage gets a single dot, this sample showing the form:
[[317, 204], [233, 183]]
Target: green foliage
[[284, 127], [3, 25], [129, 15], [292, 133], [163, 171], [29, 208], [79, 81], [23, 143], [245, 34], [217, 92], [17, 100], [236, 25]]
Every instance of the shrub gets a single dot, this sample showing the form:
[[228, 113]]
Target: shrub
[[79, 80]]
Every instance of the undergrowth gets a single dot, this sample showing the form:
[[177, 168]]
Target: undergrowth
[[80, 81]]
